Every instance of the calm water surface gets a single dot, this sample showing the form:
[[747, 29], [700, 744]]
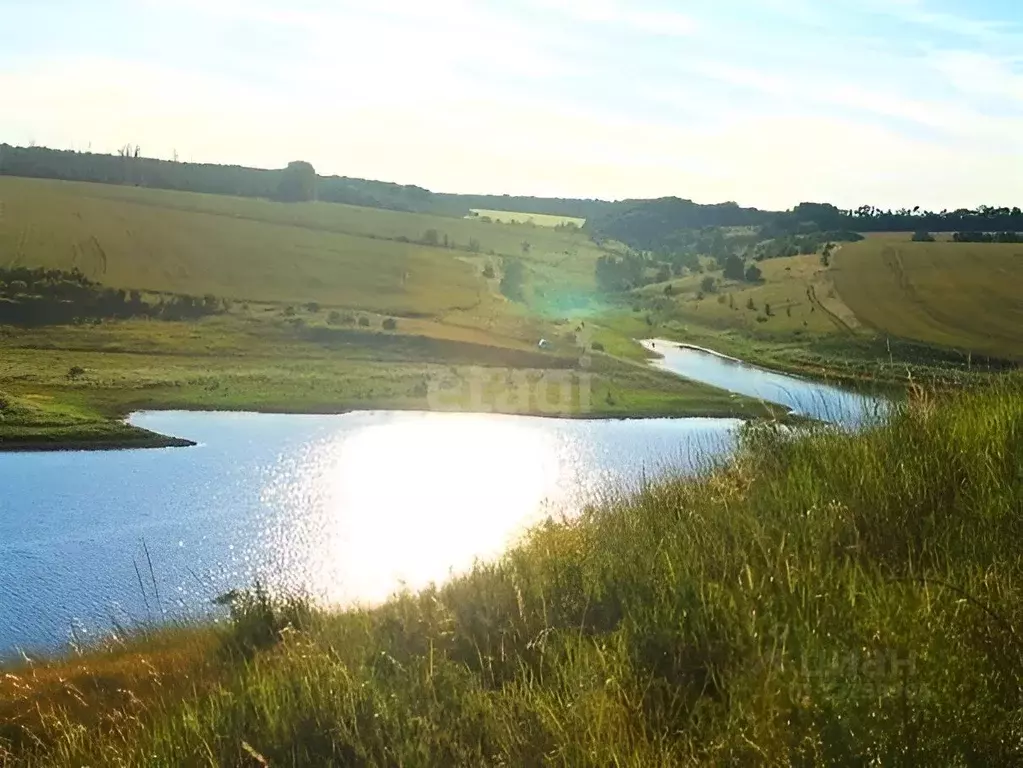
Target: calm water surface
[[349, 508], [802, 396]]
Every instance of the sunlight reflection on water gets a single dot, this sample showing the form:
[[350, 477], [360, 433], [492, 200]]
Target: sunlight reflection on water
[[346, 508], [412, 500]]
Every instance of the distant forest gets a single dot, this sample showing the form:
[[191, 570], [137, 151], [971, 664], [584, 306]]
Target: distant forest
[[297, 182], [665, 225]]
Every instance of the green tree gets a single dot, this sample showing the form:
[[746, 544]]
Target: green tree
[[298, 183], [513, 281], [753, 274], [734, 268]]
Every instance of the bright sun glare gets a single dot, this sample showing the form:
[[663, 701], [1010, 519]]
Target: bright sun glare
[[409, 502]]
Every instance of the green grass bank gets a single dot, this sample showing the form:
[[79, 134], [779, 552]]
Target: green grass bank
[[826, 599]]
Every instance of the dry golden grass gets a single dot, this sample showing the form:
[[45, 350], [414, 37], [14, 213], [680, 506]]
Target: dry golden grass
[[963, 296]]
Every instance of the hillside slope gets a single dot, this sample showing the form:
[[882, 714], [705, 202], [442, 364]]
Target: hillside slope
[[247, 249], [963, 296]]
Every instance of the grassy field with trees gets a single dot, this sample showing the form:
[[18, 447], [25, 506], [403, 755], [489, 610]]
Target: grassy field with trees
[[804, 604], [191, 299], [161, 299]]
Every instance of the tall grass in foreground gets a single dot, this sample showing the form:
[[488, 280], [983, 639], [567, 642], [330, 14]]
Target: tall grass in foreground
[[824, 599]]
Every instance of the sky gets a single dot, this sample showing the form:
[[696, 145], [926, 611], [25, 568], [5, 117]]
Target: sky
[[763, 102]]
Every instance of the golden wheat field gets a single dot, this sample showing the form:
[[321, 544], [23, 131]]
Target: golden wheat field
[[965, 296]]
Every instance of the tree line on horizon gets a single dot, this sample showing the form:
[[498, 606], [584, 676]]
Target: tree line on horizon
[[648, 225], [672, 224], [298, 182]]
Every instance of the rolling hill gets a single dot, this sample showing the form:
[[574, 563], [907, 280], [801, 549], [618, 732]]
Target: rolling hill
[[963, 296]]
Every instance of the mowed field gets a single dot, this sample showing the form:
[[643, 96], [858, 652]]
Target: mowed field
[[962, 296], [258, 250], [538, 219]]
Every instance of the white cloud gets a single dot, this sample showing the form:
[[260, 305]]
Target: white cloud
[[653, 21], [978, 73]]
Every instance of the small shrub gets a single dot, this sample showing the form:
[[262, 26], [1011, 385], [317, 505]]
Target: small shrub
[[289, 311], [364, 321], [260, 620], [751, 305], [488, 272], [75, 372], [597, 346], [312, 307], [708, 284], [334, 318], [923, 237], [390, 324]]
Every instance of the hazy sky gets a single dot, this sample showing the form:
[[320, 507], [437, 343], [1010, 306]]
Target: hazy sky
[[765, 102]]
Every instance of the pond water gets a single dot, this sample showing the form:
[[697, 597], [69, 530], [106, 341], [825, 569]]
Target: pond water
[[349, 508], [802, 396]]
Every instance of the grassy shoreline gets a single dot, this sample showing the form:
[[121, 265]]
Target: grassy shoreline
[[137, 438], [228, 364], [147, 440], [801, 604]]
